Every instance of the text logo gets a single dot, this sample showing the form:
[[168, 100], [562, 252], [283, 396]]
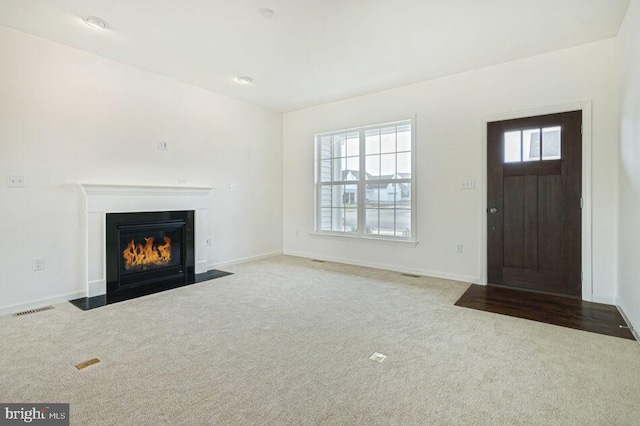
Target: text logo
[[34, 414]]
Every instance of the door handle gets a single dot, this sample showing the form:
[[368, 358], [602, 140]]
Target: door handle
[[493, 210]]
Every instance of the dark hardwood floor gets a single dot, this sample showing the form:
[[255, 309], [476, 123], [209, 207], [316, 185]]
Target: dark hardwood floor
[[550, 309]]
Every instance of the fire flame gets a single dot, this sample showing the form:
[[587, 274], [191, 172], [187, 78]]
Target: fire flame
[[147, 254]]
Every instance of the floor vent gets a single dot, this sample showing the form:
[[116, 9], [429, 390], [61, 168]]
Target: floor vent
[[87, 363], [33, 311], [317, 260], [410, 275], [377, 357]]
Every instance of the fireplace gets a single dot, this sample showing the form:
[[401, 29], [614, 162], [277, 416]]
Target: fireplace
[[155, 264], [148, 249]]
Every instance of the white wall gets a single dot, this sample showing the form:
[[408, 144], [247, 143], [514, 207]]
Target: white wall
[[69, 117], [629, 220], [450, 113]]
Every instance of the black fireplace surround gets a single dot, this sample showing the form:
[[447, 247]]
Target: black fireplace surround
[[148, 249]]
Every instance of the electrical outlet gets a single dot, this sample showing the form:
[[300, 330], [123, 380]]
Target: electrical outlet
[[469, 184], [16, 181], [232, 187], [38, 263], [163, 145], [459, 247], [209, 241], [182, 181]]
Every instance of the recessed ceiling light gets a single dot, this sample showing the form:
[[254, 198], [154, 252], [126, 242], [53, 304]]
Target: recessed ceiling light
[[95, 22], [245, 80], [267, 13]]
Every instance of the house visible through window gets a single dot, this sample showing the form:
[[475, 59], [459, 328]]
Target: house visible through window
[[364, 181]]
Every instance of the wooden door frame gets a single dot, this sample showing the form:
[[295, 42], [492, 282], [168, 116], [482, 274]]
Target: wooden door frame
[[585, 107]]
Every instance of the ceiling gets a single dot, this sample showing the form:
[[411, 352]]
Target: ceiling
[[315, 51]]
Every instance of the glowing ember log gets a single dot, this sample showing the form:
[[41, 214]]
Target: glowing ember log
[[136, 255]]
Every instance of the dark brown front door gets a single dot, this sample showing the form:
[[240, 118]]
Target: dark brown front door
[[534, 176]]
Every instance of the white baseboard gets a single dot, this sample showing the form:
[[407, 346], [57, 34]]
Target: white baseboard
[[415, 271], [243, 260], [634, 330], [603, 299], [12, 309]]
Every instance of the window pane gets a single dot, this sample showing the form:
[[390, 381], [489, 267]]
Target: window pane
[[326, 196], [326, 170], [404, 165], [371, 226], [388, 139], [512, 147], [336, 195], [325, 219], [344, 196], [339, 146], [386, 224], [531, 145], [350, 196], [387, 195], [372, 166], [353, 164], [340, 169], [372, 195], [403, 223], [351, 220], [372, 141], [404, 138], [326, 147], [403, 196], [353, 144], [552, 143], [387, 166], [337, 220]]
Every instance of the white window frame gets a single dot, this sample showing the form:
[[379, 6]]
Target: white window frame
[[361, 184]]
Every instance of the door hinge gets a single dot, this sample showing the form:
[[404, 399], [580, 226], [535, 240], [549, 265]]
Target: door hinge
[[581, 202]]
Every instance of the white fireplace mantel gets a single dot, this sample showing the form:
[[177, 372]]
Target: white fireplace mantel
[[102, 199]]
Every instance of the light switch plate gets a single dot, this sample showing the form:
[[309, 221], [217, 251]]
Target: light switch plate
[[469, 184]]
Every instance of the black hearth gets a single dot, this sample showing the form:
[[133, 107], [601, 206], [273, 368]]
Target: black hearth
[[148, 249]]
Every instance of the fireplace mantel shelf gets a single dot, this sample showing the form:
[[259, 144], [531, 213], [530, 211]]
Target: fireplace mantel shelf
[[105, 189]]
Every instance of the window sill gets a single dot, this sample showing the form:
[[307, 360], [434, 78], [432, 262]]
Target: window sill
[[376, 240]]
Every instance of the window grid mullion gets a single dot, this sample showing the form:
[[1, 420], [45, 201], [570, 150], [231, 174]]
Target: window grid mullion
[[395, 187], [521, 146], [361, 185], [540, 144]]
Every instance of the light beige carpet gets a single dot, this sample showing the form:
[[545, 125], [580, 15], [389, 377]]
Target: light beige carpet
[[286, 341]]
